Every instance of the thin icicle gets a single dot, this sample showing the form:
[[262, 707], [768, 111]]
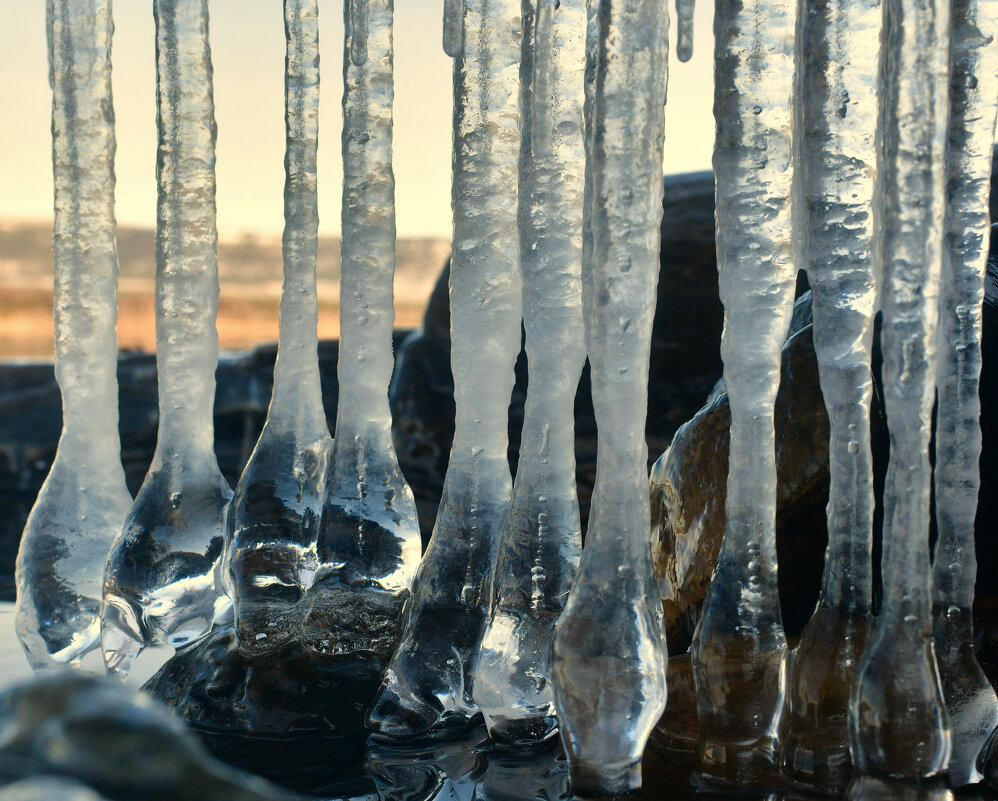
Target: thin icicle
[[609, 657], [970, 699], [84, 499], [739, 645], [274, 517], [540, 539], [369, 543], [684, 29], [428, 681], [838, 50], [160, 584], [541, 89], [358, 20], [454, 28], [897, 721]]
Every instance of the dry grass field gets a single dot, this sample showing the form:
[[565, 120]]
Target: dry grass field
[[250, 278]]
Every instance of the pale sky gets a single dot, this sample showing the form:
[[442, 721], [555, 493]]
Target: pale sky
[[247, 41]]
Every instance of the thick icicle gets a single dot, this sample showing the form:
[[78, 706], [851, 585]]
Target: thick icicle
[[897, 722], [970, 699], [540, 541], [838, 50], [160, 583], [369, 544], [739, 646], [609, 653], [84, 499], [428, 681], [274, 516], [684, 29], [454, 27]]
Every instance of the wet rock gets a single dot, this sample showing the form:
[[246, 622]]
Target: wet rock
[[122, 746], [291, 716]]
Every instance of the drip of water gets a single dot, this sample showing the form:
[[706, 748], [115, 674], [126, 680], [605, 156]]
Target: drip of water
[[84, 499], [970, 699], [274, 517], [838, 49], [609, 657], [369, 543], [898, 726], [428, 682], [159, 583], [540, 539], [684, 26]]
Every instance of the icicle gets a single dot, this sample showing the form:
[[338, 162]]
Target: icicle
[[358, 23], [970, 699], [541, 89], [274, 517], [838, 50], [739, 645], [684, 29], [369, 543], [84, 499], [609, 653], [428, 681], [159, 585], [540, 539], [897, 722], [454, 28]]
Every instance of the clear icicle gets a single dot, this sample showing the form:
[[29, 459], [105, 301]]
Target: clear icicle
[[838, 48], [684, 29], [358, 22], [739, 646], [541, 88], [970, 699], [274, 516], [540, 541], [454, 28], [369, 544], [428, 681], [609, 654], [84, 499], [160, 585], [897, 722]]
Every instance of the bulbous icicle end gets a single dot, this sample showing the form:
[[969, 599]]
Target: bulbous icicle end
[[424, 689], [684, 29], [454, 28], [360, 20]]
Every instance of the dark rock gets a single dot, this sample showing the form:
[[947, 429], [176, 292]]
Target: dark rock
[[121, 745]]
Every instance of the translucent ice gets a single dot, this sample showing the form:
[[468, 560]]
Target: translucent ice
[[540, 539], [897, 721], [609, 654], [739, 646], [84, 499], [684, 29], [453, 27], [369, 545], [970, 699], [838, 51], [274, 517], [428, 680], [159, 584]]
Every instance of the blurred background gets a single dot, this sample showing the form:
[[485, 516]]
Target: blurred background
[[247, 38]]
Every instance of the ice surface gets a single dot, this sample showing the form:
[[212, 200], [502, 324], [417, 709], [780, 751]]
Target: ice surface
[[369, 544], [739, 645], [159, 584], [540, 539], [970, 699], [274, 517], [897, 722], [428, 681], [453, 27], [838, 49], [84, 499], [609, 654]]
